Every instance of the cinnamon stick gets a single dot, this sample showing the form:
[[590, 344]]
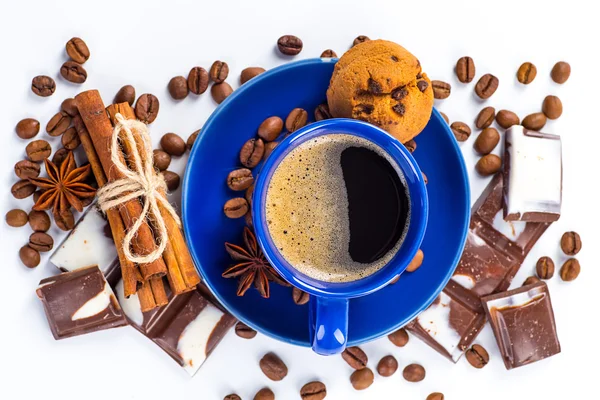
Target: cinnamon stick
[[146, 297], [158, 291]]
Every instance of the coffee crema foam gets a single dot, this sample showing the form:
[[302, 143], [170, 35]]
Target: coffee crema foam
[[307, 210]]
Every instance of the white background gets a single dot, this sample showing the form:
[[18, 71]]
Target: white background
[[148, 43]]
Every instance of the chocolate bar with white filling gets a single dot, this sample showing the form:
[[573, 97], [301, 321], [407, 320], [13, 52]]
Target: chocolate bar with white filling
[[532, 176]]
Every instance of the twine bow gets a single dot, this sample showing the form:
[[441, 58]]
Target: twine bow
[[143, 183]]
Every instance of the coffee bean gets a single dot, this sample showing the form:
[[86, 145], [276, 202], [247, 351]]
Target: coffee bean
[[249, 73], [264, 394], [552, 107], [270, 128], [531, 280], [360, 39], [16, 218], [37, 194], [29, 257], [240, 179], [269, 147], [570, 243], [560, 72], [178, 88], [461, 131], [570, 270], [191, 140], [313, 391], [506, 119], [26, 169], [220, 91], [486, 86], [27, 128], [526, 73], [485, 117], [395, 280], [197, 80], [272, 366], [41, 241], [387, 366], [248, 194], [545, 268], [172, 180], [465, 69], [70, 140], [252, 152], [289, 45], [414, 373], [435, 396], [362, 379], [146, 108], [296, 119], [232, 396], [43, 85], [300, 297], [59, 156], [78, 50], [58, 124], [248, 219], [322, 112], [73, 72], [328, 54], [399, 337], [39, 221], [445, 117], [125, 95], [441, 89], [424, 177], [173, 144], [486, 141], [22, 189], [162, 159], [64, 220], [535, 121], [411, 145], [355, 357], [236, 207], [219, 71], [69, 106], [416, 262], [244, 331], [488, 165], [477, 356]]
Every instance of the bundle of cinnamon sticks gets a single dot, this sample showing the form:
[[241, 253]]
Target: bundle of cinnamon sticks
[[95, 127]]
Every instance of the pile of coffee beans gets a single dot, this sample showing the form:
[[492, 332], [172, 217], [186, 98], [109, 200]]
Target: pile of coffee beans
[[570, 244]]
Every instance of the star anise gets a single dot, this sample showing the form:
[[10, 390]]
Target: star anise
[[251, 266], [64, 187]]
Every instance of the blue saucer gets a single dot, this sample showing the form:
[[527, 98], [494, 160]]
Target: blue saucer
[[216, 153]]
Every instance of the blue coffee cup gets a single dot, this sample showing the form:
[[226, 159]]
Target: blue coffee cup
[[329, 302]]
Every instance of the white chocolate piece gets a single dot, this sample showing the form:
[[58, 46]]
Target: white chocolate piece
[[95, 305]]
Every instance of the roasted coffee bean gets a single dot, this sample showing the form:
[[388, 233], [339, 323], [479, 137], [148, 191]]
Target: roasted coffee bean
[[248, 194], [26, 169], [296, 119], [355, 357], [244, 331], [39, 221], [252, 152], [220, 91], [264, 394], [313, 391], [78, 50], [70, 140], [485, 117], [59, 156], [560, 72], [424, 177], [360, 39], [269, 147], [248, 219], [526, 73], [173, 144], [535, 121], [488, 165], [162, 159], [486, 86], [477, 356], [41, 241], [270, 128], [236, 207], [445, 117], [328, 54], [414, 373], [411, 145], [300, 297], [387, 366], [399, 337], [461, 131], [272, 366], [73, 72], [125, 95], [416, 262], [146, 108], [27, 128], [172, 180], [58, 124], [289, 45], [570, 270], [16, 218], [441, 89], [43, 85], [530, 280], [219, 71], [64, 220], [322, 112], [232, 396], [487, 141], [178, 88], [249, 73], [570, 243], [197, 80], [465, 69], [69, 106], [506, 119], [362, 379], [435, 396], [192, 139], [240, 179], [29, 257], [545, 268], [22, 189], [552, 107], [37, 194]]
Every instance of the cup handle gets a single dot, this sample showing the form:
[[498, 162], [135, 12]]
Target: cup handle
[[328, 324]]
